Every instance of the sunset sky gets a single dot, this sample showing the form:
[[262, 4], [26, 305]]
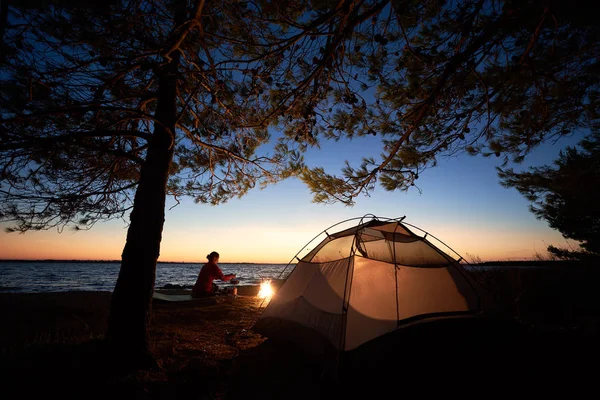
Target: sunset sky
[[462, 203]]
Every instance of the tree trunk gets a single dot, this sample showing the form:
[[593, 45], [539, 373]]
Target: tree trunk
[[131, 304], [3, 24]]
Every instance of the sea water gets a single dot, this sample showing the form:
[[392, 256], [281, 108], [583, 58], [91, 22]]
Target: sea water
[[61, 276]]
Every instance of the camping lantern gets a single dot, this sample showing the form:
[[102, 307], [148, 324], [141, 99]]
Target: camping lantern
[[266, 291]]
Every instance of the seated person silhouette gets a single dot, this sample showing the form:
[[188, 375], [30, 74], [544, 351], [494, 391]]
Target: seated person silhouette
[[204, 286]]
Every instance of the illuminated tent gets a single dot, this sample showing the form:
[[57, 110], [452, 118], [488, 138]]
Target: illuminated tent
[[366, 281]]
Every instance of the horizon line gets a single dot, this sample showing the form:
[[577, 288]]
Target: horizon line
[[51, 260], [118, 261]]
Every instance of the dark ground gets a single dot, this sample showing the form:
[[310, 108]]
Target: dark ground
[[51, 346]]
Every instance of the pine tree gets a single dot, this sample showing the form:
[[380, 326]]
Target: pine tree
[[561, 195]]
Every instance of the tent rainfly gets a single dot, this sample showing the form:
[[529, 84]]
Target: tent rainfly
[[366, 281]]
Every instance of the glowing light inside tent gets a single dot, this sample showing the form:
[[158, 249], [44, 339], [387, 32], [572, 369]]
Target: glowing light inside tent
[[266, 291]]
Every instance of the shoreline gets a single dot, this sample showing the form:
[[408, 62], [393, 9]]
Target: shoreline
[[244, 289]]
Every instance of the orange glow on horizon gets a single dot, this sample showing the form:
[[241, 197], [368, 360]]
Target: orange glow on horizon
[[255, 244]]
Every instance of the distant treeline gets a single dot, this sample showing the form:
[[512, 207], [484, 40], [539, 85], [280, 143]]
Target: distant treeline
[[119, 261], [522, 263], [530, 263], [62, 261]]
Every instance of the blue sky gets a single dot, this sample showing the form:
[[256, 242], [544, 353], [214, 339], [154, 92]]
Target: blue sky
[[462, 203]]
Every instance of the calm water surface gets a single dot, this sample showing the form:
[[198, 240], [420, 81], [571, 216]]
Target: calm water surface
[[57, 276], [37, 277]]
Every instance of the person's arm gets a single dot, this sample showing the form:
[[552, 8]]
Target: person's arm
[[219, 275]]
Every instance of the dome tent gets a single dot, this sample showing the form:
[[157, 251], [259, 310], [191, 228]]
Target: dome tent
[[365, 281]]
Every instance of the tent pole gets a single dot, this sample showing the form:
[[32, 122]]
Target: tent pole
[[396, 277]]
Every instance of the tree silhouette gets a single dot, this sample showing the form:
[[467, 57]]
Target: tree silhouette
[[108, 108], [562, 196], [495, 78]]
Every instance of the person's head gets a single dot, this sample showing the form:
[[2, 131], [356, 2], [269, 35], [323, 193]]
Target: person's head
[[213, 257]]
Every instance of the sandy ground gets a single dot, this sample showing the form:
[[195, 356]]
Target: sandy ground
[[51, 346]]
